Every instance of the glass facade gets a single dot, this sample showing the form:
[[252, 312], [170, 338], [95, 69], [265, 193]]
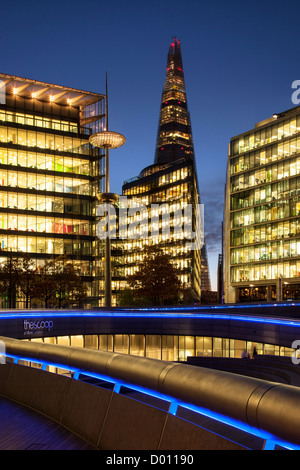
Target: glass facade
[[163, 189], [168, 347], [263, 210], [50, 175]]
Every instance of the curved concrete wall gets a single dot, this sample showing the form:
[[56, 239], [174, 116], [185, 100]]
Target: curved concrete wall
[[102, 417], [266, 406]]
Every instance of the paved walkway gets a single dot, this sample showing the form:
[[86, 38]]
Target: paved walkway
[[25, 429]]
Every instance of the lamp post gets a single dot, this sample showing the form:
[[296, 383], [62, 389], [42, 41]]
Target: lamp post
[[107, 140]]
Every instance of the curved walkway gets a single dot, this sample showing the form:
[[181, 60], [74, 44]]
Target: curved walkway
[[25, 429], [271, 368]]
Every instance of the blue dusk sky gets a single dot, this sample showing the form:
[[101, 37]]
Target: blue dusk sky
[[240, 59]]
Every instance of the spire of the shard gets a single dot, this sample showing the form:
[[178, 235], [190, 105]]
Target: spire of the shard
[[174, 136]]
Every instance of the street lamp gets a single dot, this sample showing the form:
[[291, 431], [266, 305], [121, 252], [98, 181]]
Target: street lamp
[[107, 140]]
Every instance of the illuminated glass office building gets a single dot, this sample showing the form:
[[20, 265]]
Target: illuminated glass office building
[[262, 211], [49, 174], [171, 183]]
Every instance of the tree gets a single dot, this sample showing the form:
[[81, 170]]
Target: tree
[[45, 285], [157, 278], [9, 272], [57, 283], [60, 284], [27, 278], [126, 298], [69, 288]]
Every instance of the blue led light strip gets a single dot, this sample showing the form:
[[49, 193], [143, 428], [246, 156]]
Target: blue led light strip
[[152, 313], [270, 441]]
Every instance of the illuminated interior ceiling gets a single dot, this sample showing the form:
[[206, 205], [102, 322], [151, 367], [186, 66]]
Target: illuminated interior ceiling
[[49, 92]]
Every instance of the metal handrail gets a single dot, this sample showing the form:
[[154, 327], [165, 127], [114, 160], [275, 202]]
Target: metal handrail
[[266, 406]]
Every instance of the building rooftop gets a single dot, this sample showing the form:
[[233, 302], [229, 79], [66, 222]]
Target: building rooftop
[[43, 91], [271, 120]]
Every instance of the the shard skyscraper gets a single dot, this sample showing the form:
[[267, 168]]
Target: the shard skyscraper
[[172, 180], [174, 137]]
